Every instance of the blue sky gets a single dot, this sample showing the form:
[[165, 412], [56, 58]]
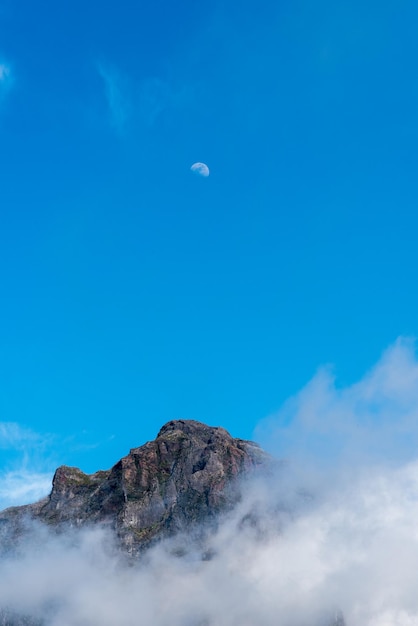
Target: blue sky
[[132, 291]]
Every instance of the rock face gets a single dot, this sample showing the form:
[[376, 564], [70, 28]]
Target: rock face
[[186, 475]]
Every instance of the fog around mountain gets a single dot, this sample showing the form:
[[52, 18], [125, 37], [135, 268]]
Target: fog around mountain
[[307, 540]]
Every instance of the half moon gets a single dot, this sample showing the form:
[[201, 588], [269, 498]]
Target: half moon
[[201, 169]]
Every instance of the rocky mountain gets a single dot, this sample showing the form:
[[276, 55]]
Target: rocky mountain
[[186, 477], [188, 474]]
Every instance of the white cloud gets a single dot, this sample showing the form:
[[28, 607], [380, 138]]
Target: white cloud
[[375, 418], [356, 549]]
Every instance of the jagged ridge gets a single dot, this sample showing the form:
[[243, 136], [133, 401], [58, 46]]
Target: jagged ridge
[[186, 475]]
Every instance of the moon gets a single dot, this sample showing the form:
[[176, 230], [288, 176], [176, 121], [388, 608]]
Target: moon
[[201, 169]]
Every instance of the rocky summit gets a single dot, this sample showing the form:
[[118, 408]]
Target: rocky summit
[[188, 474], [184, 478]]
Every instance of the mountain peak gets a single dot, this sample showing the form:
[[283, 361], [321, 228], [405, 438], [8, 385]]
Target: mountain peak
[[191, 428], [188, 474]]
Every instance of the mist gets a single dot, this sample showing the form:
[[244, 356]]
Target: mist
[[331, 527]]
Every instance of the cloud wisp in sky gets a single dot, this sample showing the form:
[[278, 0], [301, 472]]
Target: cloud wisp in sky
[[133, 105], [5, 79], [26, 478], [117, 97], [16, 437], [20, 485], [295, 551], [4, 72]]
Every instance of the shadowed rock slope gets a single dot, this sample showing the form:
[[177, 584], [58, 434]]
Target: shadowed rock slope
[[186, 475]]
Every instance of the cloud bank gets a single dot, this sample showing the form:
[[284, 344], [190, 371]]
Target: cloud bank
[[373, 420], [299, 548]]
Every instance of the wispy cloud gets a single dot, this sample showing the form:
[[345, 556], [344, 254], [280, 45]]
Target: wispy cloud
[[23, 486], [118, 97], [14, 436], [28, 476], [5, 79], [4, 72], [139, 104]]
